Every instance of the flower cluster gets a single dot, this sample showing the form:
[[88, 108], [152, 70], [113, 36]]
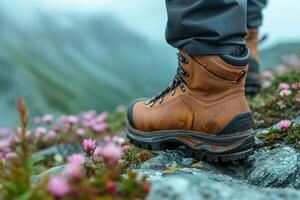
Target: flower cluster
[[267, 79], [95, 173], [284, 124], [47, 131], [106, 182], [288, 94], [287, 130], [80, 124]]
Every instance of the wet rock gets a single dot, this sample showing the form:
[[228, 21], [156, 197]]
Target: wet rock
[[275, 168], [203, 187]]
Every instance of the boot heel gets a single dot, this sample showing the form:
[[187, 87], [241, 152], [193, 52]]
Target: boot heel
[[214, 152]]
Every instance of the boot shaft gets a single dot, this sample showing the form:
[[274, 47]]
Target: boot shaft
[[252, 42], [210, 78]]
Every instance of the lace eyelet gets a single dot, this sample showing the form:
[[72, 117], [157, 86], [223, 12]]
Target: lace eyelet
[[152, 104], [173, 92], [161, 100]]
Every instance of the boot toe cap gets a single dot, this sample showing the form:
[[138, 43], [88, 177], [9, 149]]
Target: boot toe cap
[[130, 110]]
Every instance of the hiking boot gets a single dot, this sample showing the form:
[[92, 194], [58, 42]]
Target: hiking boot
[[204, 108], [253, 82]]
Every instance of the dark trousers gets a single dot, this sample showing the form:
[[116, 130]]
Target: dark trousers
[[204, 27]]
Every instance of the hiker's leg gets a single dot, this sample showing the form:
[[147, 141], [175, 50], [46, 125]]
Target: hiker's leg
[[206, 27], [254, 13], [204, 107], [254, 20]]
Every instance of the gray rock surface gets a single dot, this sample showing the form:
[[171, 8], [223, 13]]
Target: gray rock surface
[[50, 172], [63, 149], [189, 187], [265, 168], [276, 168], [267, 174]]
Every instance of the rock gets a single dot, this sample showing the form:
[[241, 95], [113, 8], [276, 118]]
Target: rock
[[63, 149], [164, 160], [202, 187], [265, 168], [276, 168], [50, 172], [258, 143]]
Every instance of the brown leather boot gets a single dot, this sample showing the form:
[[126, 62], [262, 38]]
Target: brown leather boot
[[253, 82], [204, 108]]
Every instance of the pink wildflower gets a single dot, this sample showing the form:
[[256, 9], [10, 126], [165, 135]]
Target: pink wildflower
[[97, 151], [72, 119], [80, 132], [39, 132], [107, 139], [74, 171], [111, 153], [55, 128], [62, 119], [281, 69], [48, 118], [267, 74], [58, 186], [89, 146], [76, 159], [266, 84], [115, 139], [284, 124], [67, 128], [18, 136], [4, 132], [296, 85], [298, 98], [283, 86], [89, 114], [281, 104], [36, 120], [51, 134], [101, 117], [5, 144], [11, 155], [99, 127], [285, 93]]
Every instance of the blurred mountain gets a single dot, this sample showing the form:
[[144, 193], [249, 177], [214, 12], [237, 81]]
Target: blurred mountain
[[272, 57], [71, 63], [66, 63]]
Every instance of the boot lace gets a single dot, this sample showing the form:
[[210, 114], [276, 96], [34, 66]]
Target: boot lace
[[177, 81]]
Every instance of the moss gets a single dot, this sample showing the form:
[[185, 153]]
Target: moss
[[269, 106], [289, 136]]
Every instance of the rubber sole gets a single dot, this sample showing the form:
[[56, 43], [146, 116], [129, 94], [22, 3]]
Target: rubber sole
[[200, 146]]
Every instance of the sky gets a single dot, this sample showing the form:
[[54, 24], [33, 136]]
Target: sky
[[148, 17]]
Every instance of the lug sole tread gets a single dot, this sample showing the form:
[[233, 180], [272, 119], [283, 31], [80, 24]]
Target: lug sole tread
[[243, 152]]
